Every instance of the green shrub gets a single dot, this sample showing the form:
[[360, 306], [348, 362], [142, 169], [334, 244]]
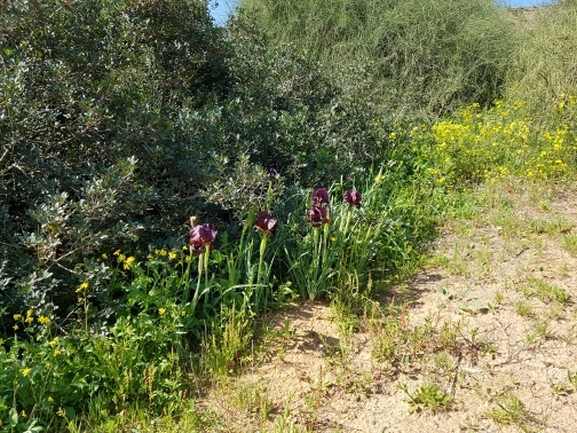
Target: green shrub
[[430, 56], [544, 70]]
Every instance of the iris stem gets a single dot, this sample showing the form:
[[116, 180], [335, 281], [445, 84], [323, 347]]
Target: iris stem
[[206, 258], [263, 244], [197, 291], [348, 221], [186, 278]]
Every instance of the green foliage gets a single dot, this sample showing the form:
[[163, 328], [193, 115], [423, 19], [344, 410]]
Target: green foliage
[[95, 84], [92, 155], [543, 70], [427, 397], [381, 238], [132, 116], [120, 119], [47, 379], [430, 56], [285, 113], [510, 410]]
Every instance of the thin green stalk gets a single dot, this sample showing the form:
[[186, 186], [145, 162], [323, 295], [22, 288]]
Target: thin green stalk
[[347, 221], [315, 264], [186, 279], [263, 244], [206, 258], [197, 291], [325, 249]]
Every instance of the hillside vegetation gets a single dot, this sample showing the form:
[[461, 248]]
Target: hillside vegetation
[[423, 56], [164, 183]]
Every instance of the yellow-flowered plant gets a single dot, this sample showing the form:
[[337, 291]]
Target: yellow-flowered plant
[[477, 145]]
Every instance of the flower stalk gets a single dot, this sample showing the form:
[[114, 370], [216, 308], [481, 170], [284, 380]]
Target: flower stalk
[[200, 242], [266, 224]]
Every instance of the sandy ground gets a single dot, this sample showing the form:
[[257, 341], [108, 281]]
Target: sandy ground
[[497, 302]]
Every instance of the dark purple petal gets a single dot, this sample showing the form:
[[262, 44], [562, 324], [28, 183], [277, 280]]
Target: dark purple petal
[[353, 198], [265, 222], [321, 196], [202, 235], [318, 215]]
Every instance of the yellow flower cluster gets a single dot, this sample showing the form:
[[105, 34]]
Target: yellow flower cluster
[[29, 319], [127, 261], [476, 145], [82, 288]]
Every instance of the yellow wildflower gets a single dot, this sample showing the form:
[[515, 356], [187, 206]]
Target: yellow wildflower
[[161, 310], [129, 262], [44, 320], [50, 399], [17, 316], [83, 287], [172, 255], [25, 371], [29, 317], [54, 342]]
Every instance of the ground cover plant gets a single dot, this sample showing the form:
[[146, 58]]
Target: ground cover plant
[[167, 187]]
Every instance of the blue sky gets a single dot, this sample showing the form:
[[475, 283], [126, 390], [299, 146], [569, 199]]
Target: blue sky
[[524, 3], [225, 7], [221, 12]]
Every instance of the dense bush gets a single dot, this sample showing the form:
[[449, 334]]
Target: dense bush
[[91, 149], [120, 119], [429, 56]]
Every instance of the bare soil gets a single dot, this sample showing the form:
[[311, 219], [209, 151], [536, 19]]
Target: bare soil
[[496, 317]]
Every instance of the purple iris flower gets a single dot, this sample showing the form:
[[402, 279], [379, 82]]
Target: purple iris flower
[[318, 215], [353, 198], [321, 196], [266, 222], [201, 235]]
